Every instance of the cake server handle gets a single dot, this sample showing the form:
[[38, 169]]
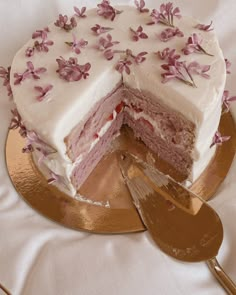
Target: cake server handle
[[221, 276], [4, 290]]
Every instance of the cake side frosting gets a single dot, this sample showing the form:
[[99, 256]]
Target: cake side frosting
[[68, 102]]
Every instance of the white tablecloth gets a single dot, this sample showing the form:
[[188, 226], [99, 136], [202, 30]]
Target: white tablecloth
[[40, 257]]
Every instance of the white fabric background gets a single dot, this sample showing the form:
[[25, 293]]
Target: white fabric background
[[40, 257]]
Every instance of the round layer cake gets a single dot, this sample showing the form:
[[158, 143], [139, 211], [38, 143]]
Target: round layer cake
[[77, 81]]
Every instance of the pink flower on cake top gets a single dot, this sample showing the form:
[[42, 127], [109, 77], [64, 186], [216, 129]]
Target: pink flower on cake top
[[80, 12], [141, 6], [170, 33], [194, 45], [40, 33], [181, 70], [70, 70], [98, 30], [107, 11], [206, 28], [63, 22], [167, 54], [124, 64], [42, 46], [138, 34], [165, 15], [43, 92], [30, 72], [77, 45], [105, 42]]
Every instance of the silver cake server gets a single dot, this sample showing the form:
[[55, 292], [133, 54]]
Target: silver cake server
[[183, 225]]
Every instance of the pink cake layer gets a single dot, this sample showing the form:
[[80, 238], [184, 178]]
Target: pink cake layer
[[174, 127], [174, 156], [89, 162], [172, 137], [79, 140]]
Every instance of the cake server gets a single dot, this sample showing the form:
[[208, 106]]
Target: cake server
[[4, 290], [183, 225]]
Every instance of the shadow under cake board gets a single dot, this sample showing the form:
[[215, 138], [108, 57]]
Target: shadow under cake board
[[106, 183]]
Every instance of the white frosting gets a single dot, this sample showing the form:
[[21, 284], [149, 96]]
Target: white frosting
[[69, 102]]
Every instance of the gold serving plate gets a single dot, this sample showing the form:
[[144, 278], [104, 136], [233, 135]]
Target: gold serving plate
[[106, 183]]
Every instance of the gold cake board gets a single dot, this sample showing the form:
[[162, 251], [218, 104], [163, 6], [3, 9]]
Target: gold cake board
[[106, 184]]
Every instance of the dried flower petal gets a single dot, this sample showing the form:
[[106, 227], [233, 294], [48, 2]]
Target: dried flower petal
[[40, 33], [109, 54], [84, 69], [170, 33], [29, 51], [33, 140], [28, 73], [5, 75], [140, 57], [80, 13], [206, 28], [43, 45], [98, 30], [70, 70], [64, 23], [76, 45], [181, 71], [106, 10], [167, 54], [16, 122], [201, 70], [35, 73], [138, 34], [140, 6], [28, 149], [106, 42], [43, 91], [56, 178], [219, 139], [194, 45], [123, 65], [39, 46], [165, 15], [228, 65], [226, 100]]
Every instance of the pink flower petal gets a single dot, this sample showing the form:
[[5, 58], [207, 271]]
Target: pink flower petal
[[228, 65], [106, 10], [165, 15], [80, 13], [206, 28]]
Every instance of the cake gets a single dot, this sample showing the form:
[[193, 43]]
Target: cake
[[77, 81]]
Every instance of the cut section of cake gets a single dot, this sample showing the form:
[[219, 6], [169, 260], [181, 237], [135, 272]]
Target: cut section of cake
[[76, 82]]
